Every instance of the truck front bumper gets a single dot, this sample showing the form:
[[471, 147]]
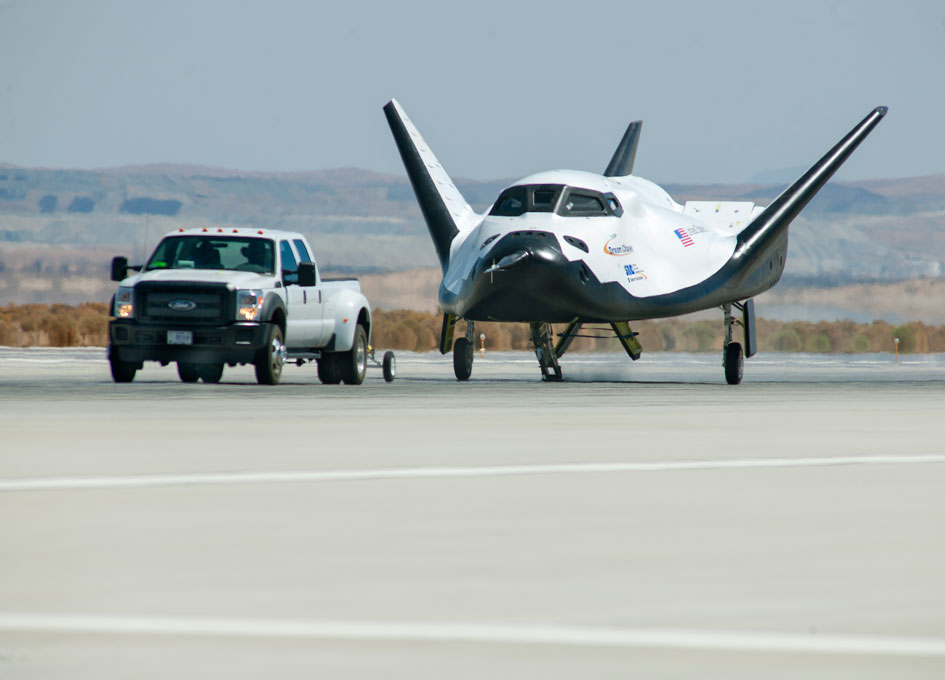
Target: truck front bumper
[[234, 343]]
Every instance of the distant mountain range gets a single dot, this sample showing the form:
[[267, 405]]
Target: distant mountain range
[[362, 221]]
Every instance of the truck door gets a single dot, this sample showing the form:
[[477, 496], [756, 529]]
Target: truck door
[[300, 326], [313, 298]]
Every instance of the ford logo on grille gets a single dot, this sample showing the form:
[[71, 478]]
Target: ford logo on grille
[[182, 305]]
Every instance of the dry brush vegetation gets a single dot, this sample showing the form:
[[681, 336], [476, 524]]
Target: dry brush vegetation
[[58, 325], [419, 331], [41, 325]]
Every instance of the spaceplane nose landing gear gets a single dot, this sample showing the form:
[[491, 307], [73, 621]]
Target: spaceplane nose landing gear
[[543, 340]]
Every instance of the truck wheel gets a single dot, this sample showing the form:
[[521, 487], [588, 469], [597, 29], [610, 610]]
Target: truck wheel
[[354, 361], [462, 359], [122, 371], [328, 370], [210, 373], [188, 372], [390, 366], [270, 358]]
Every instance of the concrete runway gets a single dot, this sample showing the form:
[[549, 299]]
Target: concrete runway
[[660, 525]]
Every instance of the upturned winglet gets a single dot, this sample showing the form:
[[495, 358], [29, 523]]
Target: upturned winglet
[[444, 209], [770, 224]]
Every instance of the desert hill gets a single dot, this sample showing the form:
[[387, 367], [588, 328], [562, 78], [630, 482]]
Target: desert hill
[[59, 228]]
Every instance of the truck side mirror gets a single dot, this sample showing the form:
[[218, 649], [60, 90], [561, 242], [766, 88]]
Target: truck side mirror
[[119, 268], [306, 273]]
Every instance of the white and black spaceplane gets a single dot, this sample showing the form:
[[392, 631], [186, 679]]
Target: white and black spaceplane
[[578, 248]]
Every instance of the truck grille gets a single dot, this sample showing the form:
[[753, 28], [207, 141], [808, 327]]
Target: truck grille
[[183, 303]]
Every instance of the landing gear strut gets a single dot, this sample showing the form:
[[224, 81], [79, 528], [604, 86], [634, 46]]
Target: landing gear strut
[[548, 356], [543, 340]]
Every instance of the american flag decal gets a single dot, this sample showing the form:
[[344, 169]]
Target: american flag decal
[[684, 236]]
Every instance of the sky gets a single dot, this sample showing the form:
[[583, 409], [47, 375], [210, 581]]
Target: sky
[[499, 89]]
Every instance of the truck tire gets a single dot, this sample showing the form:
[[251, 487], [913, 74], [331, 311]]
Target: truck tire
[[188, 372], [210, 373], [328, 370], [354, 361], [389, 365], [269, 359], [122, 371]]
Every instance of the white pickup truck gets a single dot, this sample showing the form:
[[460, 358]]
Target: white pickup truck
[[213, 297]]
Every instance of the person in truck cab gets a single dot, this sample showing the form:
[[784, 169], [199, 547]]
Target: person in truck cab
[[258, 256], [207, 257]]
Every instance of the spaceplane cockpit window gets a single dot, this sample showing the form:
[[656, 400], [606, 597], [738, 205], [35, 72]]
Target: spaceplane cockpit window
[[589, 203], [583, 204], [511, 203], [519, 200]]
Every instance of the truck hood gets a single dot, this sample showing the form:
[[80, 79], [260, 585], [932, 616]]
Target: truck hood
[[232, 279]]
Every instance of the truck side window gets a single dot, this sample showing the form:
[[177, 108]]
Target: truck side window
[[302, 251], [290, 268]]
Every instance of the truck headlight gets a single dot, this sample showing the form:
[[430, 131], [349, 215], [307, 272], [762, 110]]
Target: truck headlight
[[249, 304], [124, 303]]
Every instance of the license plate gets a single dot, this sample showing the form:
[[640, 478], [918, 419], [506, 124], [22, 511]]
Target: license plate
[[180, 337]]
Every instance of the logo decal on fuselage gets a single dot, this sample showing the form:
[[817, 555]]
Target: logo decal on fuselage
[[617, 251], [634, 272], [182, 305]]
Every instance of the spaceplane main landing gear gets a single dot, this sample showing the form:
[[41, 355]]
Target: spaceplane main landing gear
[[733, 356], [463, 354], [462, 349]]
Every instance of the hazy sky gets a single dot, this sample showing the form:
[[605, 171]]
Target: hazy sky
[[498, 88]]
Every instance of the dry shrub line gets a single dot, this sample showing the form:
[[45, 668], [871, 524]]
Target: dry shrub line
[[57, 325]]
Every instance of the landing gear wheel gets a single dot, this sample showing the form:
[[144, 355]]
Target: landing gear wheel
[[188, 372], [210, 373], [354, 361], [122, 371], [270, 358], [462, 359], [389, 366], [328, 371], [734, 363]]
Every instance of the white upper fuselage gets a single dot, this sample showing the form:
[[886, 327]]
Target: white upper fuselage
[[654, 246]]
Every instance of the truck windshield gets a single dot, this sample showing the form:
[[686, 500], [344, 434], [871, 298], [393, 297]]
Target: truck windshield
[[206, 252]]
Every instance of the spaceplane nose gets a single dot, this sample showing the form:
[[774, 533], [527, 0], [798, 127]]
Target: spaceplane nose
[[508, 261], [523, 247]]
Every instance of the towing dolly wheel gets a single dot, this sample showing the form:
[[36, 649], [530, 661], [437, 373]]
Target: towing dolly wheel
[[354, 361], [270, 358], [389, 366], [462, 359], [188, 372], [734, 363]]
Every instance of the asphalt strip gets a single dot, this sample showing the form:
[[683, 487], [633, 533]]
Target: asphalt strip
[[220, 478]]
